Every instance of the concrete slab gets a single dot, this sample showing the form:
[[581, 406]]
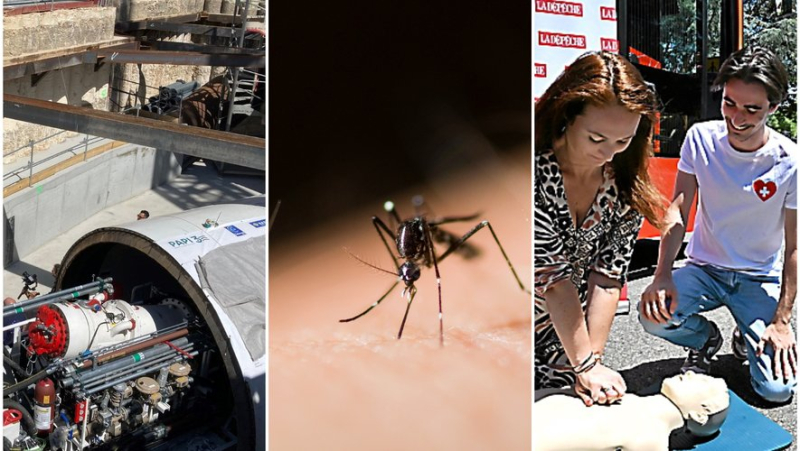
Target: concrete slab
[[30, 33], [137, 10], [196, 187]]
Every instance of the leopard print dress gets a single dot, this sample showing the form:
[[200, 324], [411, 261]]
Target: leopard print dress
[[603, 243]]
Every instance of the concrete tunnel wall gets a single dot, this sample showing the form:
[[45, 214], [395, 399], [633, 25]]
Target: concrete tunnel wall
[[36, 215]]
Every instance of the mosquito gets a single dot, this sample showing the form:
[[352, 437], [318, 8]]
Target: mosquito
[[414, 240]]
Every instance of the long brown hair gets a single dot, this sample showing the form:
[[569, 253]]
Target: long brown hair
[[598, 79]]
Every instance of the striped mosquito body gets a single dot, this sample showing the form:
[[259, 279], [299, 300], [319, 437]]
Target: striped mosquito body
[[413, 242]]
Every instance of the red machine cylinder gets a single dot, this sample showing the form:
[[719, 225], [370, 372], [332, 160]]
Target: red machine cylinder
[[44, 402]]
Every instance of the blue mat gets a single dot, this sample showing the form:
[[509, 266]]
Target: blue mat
[[744, 429]]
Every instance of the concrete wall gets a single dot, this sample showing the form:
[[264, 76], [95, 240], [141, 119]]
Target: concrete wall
[[63, 201], [138, 10], [37, 32], [77, 85]]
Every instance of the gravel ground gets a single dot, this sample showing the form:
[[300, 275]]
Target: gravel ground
[[644, 360]]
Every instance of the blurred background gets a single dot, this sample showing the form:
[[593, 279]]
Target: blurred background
[[371, 97], [377, 101]]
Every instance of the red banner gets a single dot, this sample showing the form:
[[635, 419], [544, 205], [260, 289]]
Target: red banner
[[540, 70]]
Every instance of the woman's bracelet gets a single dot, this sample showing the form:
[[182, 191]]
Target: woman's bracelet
[[589, 363]]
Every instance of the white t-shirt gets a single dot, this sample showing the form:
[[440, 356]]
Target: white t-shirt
[[742, 195]]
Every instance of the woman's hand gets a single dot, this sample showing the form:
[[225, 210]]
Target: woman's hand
[[600, 385]]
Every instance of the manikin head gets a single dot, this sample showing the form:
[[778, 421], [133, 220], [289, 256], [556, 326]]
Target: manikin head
[[698, 397]]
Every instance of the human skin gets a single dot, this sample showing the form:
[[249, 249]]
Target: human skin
[[746, 109], [353, 386], [590, 141]]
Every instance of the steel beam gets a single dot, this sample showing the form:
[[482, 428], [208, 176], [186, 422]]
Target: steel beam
[[201, 48], [21, 68], [182, 58], [125, 27], [203, 30], [198, 142], [35, 67], [223, 18]]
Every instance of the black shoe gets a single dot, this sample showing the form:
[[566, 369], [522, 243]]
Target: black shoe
[[738, 345], [699, 360]]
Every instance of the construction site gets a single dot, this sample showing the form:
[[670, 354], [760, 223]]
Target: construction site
[[134, 212]]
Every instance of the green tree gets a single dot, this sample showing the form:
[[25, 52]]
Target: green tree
[[679, 36], [775, 28], [678, 41], [765, 24]]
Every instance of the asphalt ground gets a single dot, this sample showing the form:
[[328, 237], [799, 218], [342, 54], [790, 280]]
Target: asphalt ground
[[644, 360]]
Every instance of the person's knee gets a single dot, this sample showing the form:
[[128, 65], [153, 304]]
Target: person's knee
[[651, 327], [774, 390]]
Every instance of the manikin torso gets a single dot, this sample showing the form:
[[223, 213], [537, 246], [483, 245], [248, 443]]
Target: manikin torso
[[643, 423]]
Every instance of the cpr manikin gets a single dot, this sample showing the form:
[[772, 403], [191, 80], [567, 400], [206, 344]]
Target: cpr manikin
[[641, 423]]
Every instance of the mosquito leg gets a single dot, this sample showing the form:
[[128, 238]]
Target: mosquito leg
[[412, 291], [274, 214], [467, 235], [381, 228], [429, 239], [448, 219], [371, 306]]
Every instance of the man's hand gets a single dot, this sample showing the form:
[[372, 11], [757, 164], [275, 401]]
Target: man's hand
[[781, 338], [653, 305]]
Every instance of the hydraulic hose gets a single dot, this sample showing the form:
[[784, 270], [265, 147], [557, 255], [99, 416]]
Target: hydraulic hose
[[14, 366], [11, 389]]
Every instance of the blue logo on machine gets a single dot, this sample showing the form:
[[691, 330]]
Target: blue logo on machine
[[234, 230], [258, 224]]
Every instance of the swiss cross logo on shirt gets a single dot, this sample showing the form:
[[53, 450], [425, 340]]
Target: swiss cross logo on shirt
[[764, 190]]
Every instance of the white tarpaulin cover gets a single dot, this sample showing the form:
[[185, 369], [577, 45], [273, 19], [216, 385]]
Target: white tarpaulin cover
[[240, 289]]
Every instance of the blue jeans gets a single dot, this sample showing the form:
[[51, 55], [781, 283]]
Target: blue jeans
[[752, 300]]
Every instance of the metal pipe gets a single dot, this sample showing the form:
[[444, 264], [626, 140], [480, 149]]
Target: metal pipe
[[133, 347], [125, 373], [63, 295], [140, 373], [30, 173], [130, 373], [239, 43], [125, 363], [156, 351], [15, 325], [231, 99]]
